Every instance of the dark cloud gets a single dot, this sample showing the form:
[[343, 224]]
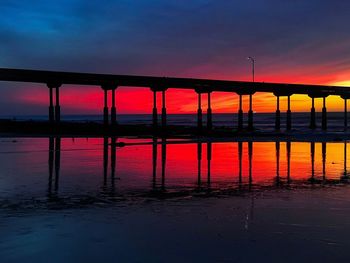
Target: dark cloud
[[175, 37]]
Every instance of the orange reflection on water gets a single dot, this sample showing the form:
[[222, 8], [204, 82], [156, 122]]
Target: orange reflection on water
[[35, 166]]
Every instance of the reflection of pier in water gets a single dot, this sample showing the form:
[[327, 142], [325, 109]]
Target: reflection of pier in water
[[113, 161], [159, 183], [54, 164]]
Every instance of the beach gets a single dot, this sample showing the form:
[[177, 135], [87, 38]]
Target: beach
[[132, 200]]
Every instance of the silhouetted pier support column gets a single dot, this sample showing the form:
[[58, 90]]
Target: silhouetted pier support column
[[278, 114], [51, 109], [113, 109], [313, 114], [159, 88], [54, 111], [105, 108], [345, 114], [240, 114], [155, 114], [57, 106], [199, 114], [164, 122], [250, 113], [289, 115], [112, 87], [209, 114], [324, 115]]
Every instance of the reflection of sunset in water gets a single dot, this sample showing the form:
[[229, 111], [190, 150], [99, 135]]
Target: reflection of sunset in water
[[84, 166]]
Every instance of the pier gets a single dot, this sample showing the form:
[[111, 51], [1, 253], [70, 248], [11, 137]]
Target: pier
[[54, 81]]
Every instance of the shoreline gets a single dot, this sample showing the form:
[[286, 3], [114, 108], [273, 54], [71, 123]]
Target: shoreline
[[217, 134]]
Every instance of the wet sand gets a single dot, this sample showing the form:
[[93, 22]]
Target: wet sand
[[89, 200], [309, 225]]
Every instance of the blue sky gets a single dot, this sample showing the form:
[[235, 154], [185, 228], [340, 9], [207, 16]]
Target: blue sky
[[304, 41]]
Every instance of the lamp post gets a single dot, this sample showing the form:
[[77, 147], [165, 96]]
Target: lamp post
[[253, 67], [250, 112]]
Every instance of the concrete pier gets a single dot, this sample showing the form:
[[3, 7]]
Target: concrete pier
[[209, 114], [289, 114], [53, 80], [324, 115], [105, 108], [199, 113], [154, 112], [250, 113], [278, 114], [345, 113], [164, 116], [51, 108], [240, 113], [113, 109], [54, 111], [57, 106], [313, 114]]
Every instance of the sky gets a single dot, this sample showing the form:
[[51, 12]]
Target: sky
[[292, 41]]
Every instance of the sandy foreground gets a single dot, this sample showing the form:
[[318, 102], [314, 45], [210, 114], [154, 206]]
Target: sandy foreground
[[300, 225]]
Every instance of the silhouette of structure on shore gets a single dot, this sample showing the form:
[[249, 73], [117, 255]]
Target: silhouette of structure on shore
[[109, 84]]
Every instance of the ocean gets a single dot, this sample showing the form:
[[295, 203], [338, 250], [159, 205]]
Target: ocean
[[264, 121]]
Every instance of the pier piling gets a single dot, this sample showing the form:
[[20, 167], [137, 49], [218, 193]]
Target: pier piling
[[278, 114], [113, 109], [324, 115], [209, 114], [289, 115], [250, 113], [313, 114], [51, 109], [345, 114], [164, 117], [105, 108], [155, 114], [199, 113], [57, 106], [240, 114]]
